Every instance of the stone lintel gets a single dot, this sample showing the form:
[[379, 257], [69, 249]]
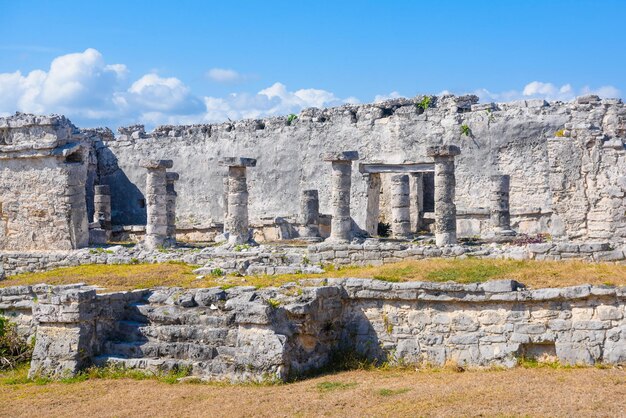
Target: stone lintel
[[102, 189], [370, 168], [237, 162], [443, 151], [156, 164], [171, 177], [340, 156], [67, 149]]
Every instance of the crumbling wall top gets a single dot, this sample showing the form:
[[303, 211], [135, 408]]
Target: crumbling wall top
[[26, 132]]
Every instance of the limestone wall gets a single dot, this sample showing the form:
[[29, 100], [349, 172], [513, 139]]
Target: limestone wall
[[43, 172], [566, 161], [244, 333]]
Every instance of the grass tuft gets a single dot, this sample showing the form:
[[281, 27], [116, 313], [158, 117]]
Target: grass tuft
[[332, 386]]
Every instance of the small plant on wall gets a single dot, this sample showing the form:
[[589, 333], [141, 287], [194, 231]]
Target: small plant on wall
[[291, 118], [423, 104], [465, 130]]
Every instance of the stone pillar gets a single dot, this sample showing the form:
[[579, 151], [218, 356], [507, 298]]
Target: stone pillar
[[102, 208], [310, 215], [225, 198], [341, 224], [445, 183], [66, 333], [373, 203], [499, 204], [417, 201], [156, 202], [170, 179], [236, 222], [400, 207]]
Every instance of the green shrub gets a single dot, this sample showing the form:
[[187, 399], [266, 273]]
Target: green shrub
[[291, 118], [14, 350], [217, 272], [465, 130], [424, 103], [273, 303]]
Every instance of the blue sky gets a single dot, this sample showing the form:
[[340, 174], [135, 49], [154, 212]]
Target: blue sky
[[121, 62]]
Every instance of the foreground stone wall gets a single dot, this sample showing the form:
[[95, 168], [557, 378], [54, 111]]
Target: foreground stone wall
[[243, 333], [566, 161]]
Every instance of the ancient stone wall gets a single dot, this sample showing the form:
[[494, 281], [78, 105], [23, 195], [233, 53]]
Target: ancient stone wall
[[43, 171], [247, 334], [566, 161]]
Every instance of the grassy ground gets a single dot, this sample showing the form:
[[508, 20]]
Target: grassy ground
[[516, 392], [534, 274]]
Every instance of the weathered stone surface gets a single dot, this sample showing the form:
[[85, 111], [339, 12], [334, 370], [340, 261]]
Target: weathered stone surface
[[237, 162], [244, 333]]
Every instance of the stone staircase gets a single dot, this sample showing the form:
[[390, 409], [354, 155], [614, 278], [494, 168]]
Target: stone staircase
[[162, 338]]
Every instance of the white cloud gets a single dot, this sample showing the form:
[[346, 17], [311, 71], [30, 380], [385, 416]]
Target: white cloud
[[547, 91], [271, 101], [224, 75], [80, 84], [92, 92], [382, 97]]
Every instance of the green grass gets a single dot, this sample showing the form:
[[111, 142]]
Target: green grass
[[332, 386], [535, 274], [392, 392], [19, 376]]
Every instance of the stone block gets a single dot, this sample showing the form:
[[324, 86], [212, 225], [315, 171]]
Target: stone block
[[156, 164], [340, 156], [237, 162]]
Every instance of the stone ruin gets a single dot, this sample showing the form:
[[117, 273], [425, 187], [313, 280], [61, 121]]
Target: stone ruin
[[333, 179]]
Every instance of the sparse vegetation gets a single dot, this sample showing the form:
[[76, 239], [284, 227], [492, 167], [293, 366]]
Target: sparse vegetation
[[291, 118], [533, 273], [560, 133], [424, 103], [14, 350], [465, 130], [241, 247], [377, 392], [217, 272], [392, 392], [330, 386], [274, 304]]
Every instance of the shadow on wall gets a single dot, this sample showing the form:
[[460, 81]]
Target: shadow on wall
[[359, 336], [129, 205]]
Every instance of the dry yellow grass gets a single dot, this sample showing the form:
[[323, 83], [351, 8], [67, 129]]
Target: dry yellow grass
[[535, 274], [376, 393]]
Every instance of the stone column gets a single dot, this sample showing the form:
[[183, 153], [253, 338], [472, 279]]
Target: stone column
[[156, 202], [499, 202], [102, 208], [310, 215], [236, 222], [170, 179], [445, 183], [225, 197], [400, 207], [373, 203], [417, 201], [341, 224]]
